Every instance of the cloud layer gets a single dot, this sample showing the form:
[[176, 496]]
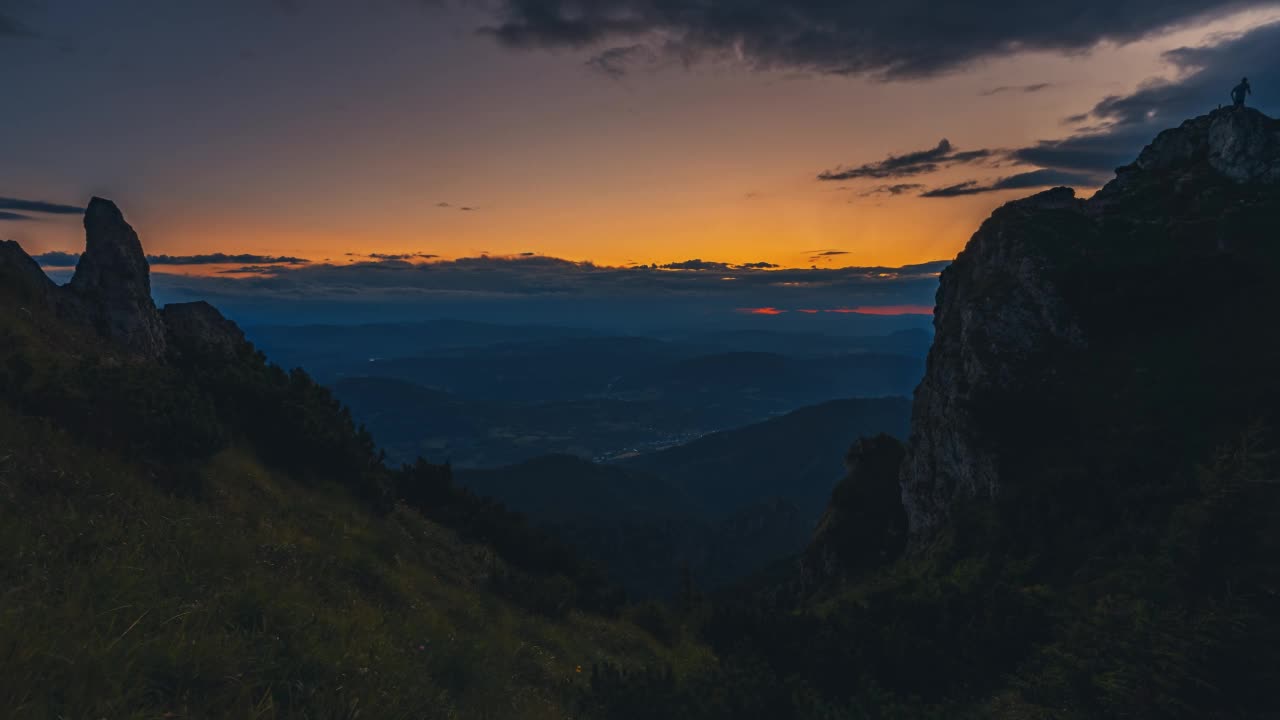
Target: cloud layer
[[17, 208], [560, 290], [919, 162], [1021, 181], [886, 40], [59, 258], [1108, 135]]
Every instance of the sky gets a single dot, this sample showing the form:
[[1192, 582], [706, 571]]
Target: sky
[[316, 141]]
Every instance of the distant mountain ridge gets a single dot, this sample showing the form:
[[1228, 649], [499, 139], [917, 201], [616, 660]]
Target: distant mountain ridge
[[796, 456], [722, 507]]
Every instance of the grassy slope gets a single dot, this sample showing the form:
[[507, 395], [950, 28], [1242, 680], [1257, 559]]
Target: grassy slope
[[259, 599], [217, 586]]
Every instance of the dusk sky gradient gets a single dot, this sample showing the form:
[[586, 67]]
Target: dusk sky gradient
[[617, 132]]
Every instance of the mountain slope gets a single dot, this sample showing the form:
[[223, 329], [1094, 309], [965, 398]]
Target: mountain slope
[[192, 532], [715, 510], [795, 457], [1087, 517]]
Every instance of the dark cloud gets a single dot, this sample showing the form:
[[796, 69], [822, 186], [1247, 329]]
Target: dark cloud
[[885, 40], [224, 259], [825, 255], [1037, 87], [39, 206], [696, 264], [908, 164], [254, 270], [1121, 125], [1207, 74], [1113, 131], [616, 62], [549, 288], [1021, 181], [67, 259], [57, 258], [1087, 152], [14, 216], [896, 189], [396, 256], [757, 266], [550, 291]]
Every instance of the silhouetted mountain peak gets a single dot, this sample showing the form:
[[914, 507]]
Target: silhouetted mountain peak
[[1241, 143], [1050, 287], [21, 277], [110, 292], [112, 282]]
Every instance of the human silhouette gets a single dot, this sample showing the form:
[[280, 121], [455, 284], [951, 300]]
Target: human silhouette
[[1239, 92]]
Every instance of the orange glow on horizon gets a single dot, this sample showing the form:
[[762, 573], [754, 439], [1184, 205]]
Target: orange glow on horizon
[[721, 165], [886, 310], [860, 310]]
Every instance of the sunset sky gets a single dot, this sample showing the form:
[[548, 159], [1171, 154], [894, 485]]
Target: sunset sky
[[620, 131]]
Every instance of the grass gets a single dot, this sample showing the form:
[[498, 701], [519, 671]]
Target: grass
[[255, 597]]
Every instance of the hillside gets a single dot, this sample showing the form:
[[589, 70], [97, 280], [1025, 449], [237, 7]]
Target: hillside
[[717, 509], [195, 533], [795, 457], [772, 377], [1085, 519], [410, 420]]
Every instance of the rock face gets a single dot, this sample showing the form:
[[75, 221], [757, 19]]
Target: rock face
[[112, 283], [22, 279], [997, 308], [1239, 144], [1244, 145], [111, 293], [197, 328], [1050, 287]]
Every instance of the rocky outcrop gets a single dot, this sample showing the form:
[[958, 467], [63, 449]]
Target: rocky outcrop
[[198, 329], [22, 280], [1051, 288], [1244, 145], [112, 283], [997, 309], [1241, 145], [110, 293]]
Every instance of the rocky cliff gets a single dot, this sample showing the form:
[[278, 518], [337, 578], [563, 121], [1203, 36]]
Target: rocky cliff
[[1068, 326], [22, 279], [112, 283], [110, 293]]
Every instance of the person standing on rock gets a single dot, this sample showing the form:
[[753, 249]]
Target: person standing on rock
[[1239, 92]]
